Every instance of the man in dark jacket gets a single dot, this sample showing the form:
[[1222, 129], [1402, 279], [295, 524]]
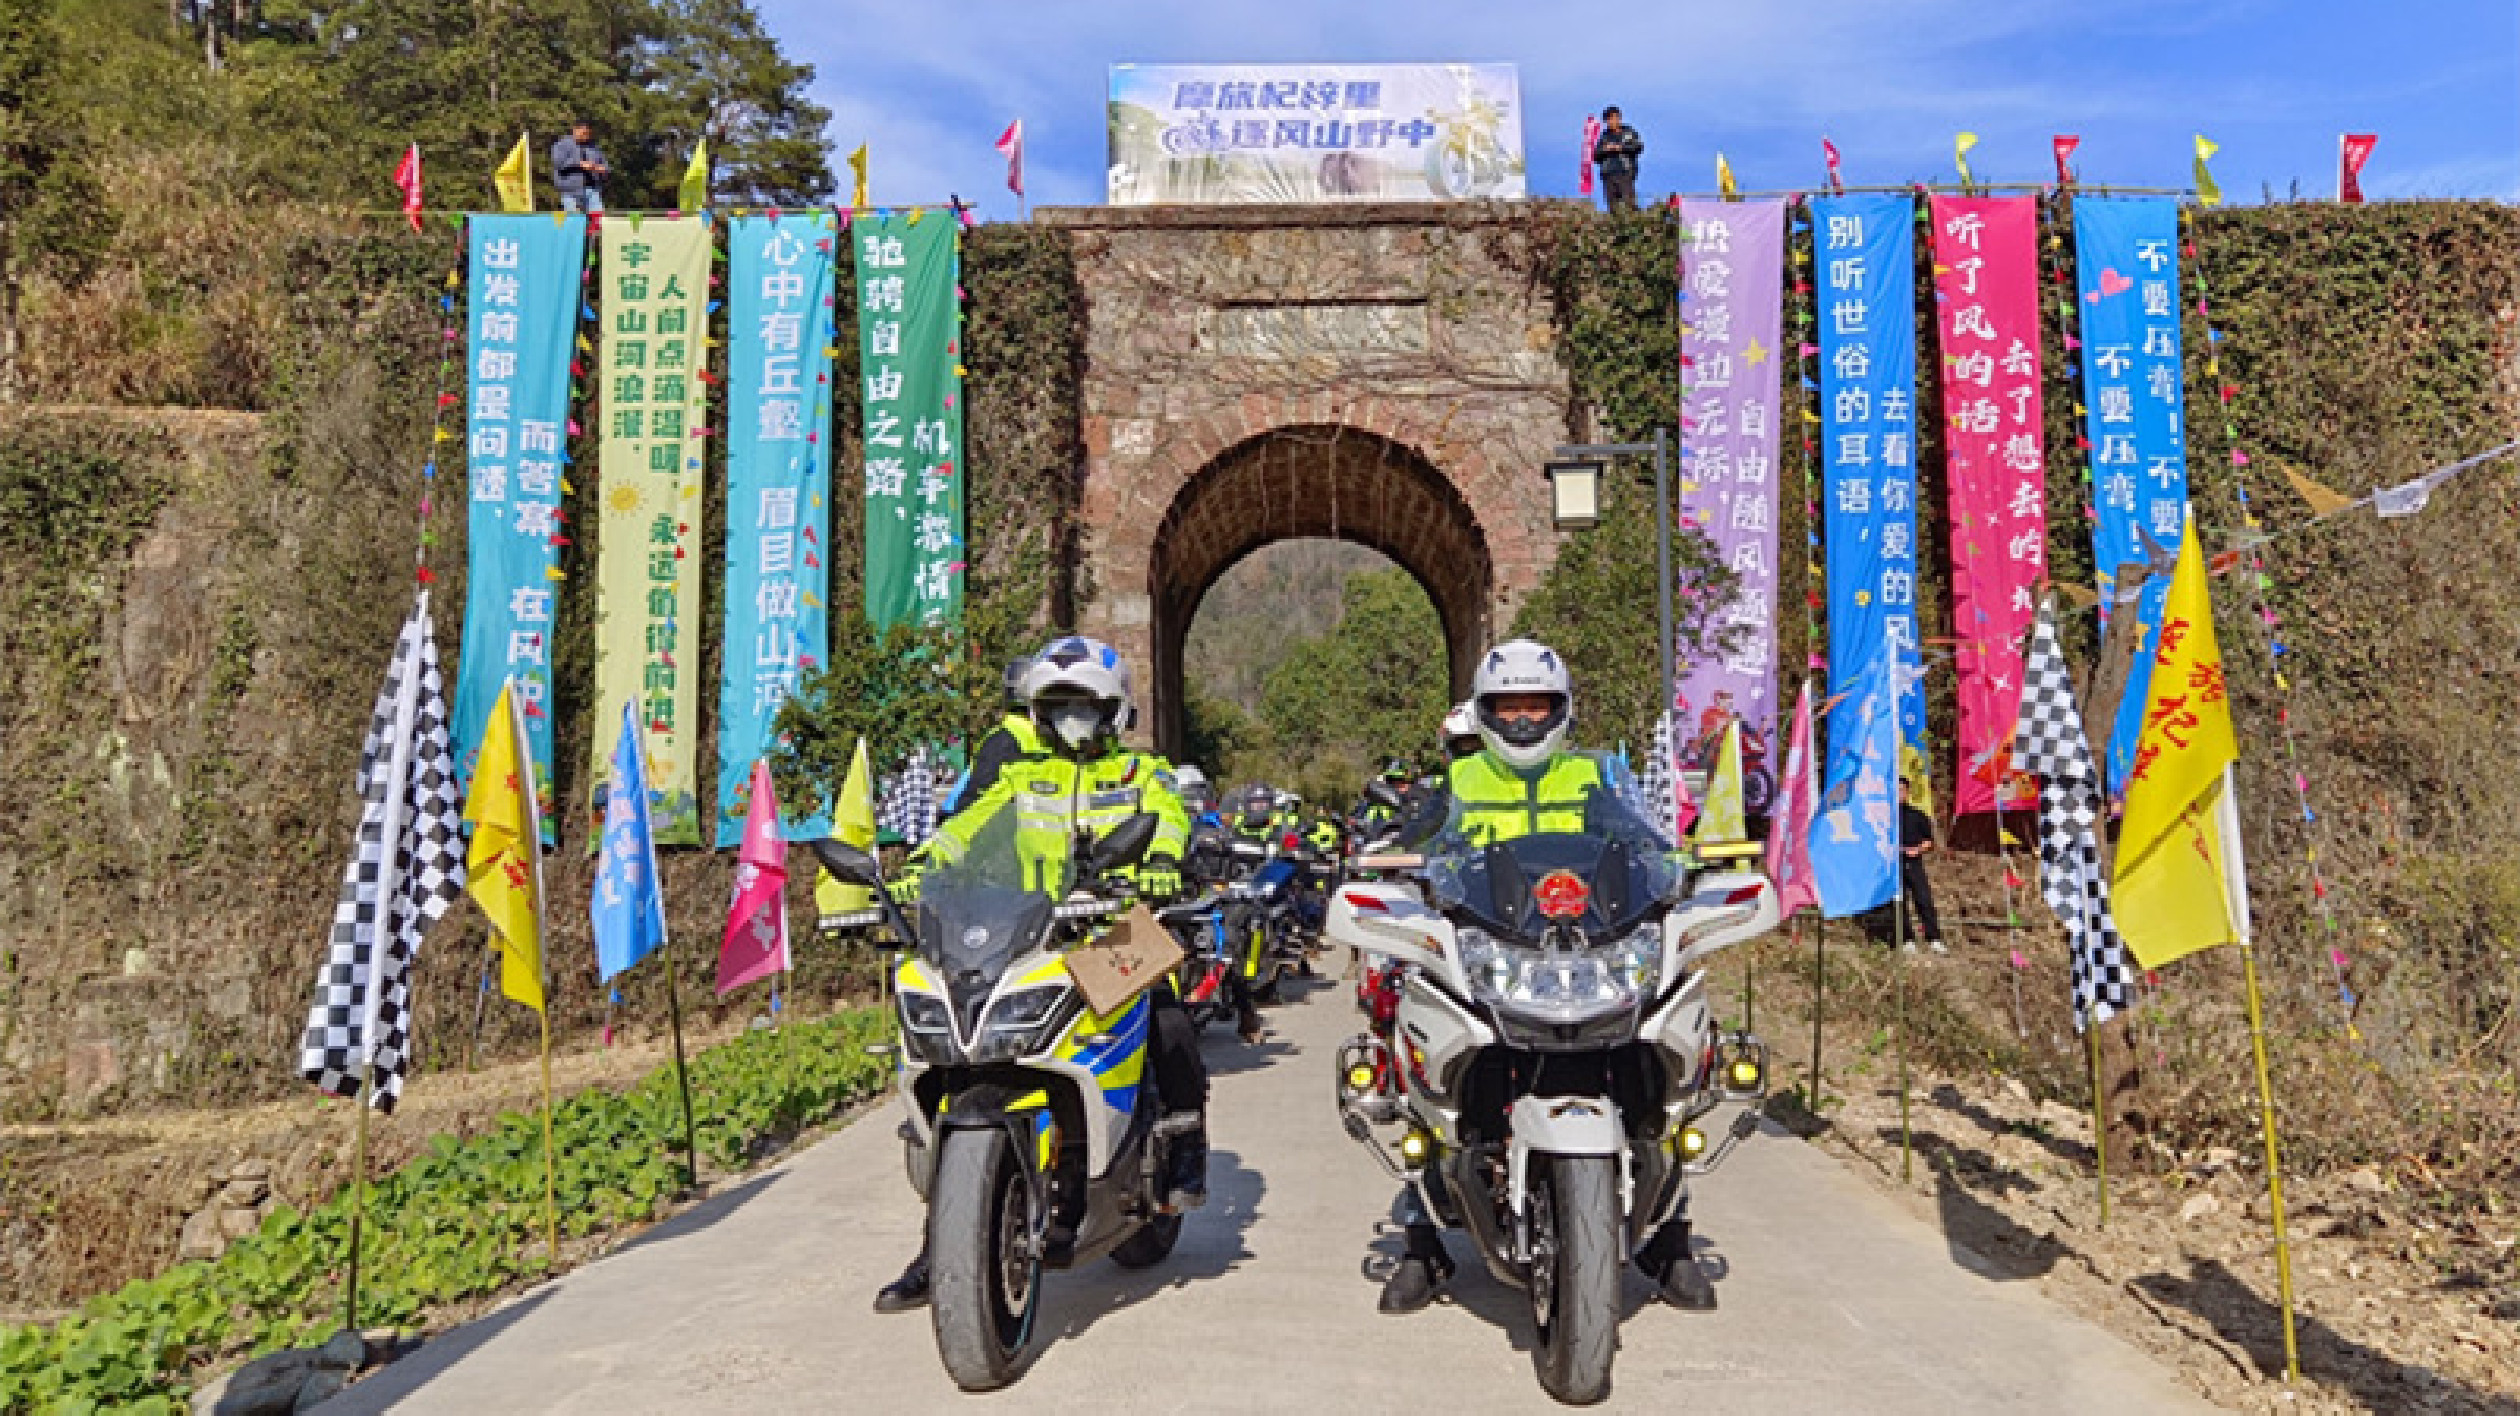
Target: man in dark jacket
[[578, 166], [1615, 153]]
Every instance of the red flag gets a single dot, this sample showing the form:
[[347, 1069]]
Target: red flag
[[2352, 151], [1010, 145], [2065, 145], [1829, 149], [1797, 806], [756, 940], [1584, 162], [407, 177]]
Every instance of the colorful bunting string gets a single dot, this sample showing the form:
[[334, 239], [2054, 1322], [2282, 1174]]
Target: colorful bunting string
[[450, 357], [2259, 581]]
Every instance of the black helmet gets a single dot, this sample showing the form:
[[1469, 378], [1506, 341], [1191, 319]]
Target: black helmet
[[1397, 770]]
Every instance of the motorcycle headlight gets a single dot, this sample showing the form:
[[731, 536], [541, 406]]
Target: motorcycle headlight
[[1562, 985], [1017, 1023], [925, 1013]]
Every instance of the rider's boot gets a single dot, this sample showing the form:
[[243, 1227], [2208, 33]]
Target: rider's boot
[[906, 1292], [1186, 1177], [1421, 1273], [1680, 1277]]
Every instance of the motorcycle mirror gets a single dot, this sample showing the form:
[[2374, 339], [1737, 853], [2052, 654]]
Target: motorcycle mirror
[[1380, 793], [1123, 844], [851, 865]]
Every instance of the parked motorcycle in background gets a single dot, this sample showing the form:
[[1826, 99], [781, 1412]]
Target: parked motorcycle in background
[[1554, 1053]]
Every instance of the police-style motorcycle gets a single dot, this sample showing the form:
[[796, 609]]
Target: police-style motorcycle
[[1554, 1052], [1034, 1131]]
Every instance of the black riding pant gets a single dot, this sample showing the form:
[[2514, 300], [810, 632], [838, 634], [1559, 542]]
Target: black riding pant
[[1181, 1078]]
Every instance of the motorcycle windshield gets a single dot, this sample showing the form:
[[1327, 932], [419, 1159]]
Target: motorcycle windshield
[[982, 904], [1626, 869]]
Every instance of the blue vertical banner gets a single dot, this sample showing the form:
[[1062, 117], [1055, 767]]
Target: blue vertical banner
[[1855, 833], [522, 312], [1864, 269], [2126, 260], [781, 338]]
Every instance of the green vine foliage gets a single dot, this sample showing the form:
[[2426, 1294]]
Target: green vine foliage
[[462, 1221]]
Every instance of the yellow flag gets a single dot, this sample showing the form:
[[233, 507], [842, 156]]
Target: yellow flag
[[501, 869], [1916, 779], [515, 178], [1960, 155], [1724, 178], [857, 164], [2178, 862], [2207, 194], [1720, 816], [2324, 500], [852, 824], [694, 195]]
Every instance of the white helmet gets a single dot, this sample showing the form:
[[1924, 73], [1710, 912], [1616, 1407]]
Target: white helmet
[[1461, 730], [1188, 778], [1523, 666], [1078, 691]]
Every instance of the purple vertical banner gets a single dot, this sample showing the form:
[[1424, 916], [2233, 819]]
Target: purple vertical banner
[[1732, 283]]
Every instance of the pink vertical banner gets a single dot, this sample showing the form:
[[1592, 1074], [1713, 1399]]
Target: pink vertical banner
[[1732, 299], [1986, 293]]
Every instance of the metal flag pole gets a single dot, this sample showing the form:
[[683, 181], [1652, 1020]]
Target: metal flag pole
[[682, 1071], [1819, 990], [2099, 1111], [2274, 1159], [481, 999], [1898, 921], [542, 960]]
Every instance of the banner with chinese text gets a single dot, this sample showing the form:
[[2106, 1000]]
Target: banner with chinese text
[[2126, 257], [910, 350], [1863, 263], [1184, 133], [1986, 281], [521, 317], [647, 603], [779, 347], [1731, 311]]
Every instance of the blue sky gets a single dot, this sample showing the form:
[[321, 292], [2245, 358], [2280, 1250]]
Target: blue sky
[[931, 85]]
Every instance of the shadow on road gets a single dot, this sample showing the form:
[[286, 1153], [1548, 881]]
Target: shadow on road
[[708, 1212], [381, 1389], [1211, 1246], [1982, 1239], [2256, 1326]]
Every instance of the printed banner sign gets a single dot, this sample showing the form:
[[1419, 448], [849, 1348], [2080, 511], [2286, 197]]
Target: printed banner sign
[[1855, 838], [1731, 311], [910, 347], [647, 616], [1986, 282], [2126, 254], [523, 312], [1204, 133], [780, 342], [1864, 262]]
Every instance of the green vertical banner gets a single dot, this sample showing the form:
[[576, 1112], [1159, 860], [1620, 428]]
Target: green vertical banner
[[647, 604], [909, 274]]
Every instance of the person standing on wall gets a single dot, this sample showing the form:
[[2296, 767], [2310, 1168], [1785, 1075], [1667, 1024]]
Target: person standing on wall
[[578, 166], [1615, 154]]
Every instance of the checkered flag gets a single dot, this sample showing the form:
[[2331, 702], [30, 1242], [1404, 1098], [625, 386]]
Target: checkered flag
[[909, 807], [2049, 743], [362, 1011], [1655, 782]]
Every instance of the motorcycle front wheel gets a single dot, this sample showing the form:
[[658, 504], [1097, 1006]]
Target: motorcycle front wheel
[[1575, 1276], [986, 1280]]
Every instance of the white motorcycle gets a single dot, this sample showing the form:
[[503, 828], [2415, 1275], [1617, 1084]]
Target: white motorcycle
[[1555, 1053]]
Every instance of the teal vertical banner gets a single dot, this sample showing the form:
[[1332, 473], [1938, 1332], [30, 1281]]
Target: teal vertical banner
[[780, 341], [909, 273], [521, 312]]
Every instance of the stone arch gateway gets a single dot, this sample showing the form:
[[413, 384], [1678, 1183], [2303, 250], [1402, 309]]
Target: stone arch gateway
[[1384, 374]]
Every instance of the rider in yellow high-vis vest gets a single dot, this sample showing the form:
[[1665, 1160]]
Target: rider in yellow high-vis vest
[[1085, 783], [1522, 782]]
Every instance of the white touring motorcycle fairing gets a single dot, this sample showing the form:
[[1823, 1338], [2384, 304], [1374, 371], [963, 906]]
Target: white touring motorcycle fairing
[[1554, 1052]]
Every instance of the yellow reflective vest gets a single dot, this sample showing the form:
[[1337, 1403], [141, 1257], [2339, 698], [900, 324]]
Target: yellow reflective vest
[[1054, 799], [1492, 802]]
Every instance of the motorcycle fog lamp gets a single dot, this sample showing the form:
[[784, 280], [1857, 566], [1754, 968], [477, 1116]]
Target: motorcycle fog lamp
[[1692, 1143], [1745, 1073], [1416, 1146], [1360, 1077]]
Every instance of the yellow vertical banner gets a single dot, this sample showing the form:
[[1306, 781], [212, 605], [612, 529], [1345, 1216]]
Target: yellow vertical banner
[[655, 348]]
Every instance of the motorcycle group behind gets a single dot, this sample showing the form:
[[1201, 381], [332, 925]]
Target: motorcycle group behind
[[1530, 948]]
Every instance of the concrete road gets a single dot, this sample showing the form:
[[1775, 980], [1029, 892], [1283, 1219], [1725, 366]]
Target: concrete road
[[1832, 1299]]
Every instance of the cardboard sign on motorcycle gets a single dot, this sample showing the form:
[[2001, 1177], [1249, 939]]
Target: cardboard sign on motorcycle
[[1125, 962]]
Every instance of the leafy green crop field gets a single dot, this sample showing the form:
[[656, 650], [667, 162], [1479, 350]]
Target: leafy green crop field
[[462, 1221]]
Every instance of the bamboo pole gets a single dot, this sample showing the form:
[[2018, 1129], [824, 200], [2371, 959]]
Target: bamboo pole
[[551, 1164], [1819, 990], [2099, 1115], [2274, 1162], [1899, 959], [682, 1072], [358, 1195]]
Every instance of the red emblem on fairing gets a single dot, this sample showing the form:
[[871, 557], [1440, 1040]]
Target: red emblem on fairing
[[1562, 894]]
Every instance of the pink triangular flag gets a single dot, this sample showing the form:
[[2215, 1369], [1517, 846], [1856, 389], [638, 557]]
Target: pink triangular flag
[[756, 943], [1797, 806]]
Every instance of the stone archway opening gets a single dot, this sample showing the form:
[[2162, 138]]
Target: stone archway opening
[[1306, 481]]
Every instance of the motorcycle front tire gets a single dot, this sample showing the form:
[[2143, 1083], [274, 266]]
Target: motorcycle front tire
[[984, 1297], [1579, 1335]]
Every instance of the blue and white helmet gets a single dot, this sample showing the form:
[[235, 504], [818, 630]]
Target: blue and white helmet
[[1517, 668], [1078, 689]]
